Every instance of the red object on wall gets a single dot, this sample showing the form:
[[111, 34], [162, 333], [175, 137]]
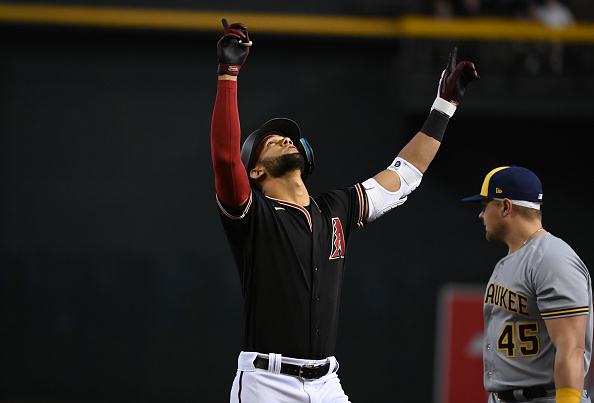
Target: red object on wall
[[459, 339]]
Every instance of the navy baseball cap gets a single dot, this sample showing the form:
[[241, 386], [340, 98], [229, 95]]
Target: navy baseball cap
[[511, 182]]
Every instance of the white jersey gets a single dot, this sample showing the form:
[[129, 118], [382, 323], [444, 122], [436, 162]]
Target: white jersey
[[544, 279]]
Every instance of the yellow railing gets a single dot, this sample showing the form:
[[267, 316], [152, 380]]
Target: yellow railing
[[406, 26]]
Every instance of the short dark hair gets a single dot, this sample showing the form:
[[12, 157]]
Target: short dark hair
[[529, 213]]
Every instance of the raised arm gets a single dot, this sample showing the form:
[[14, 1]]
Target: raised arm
[[390, 188], [231, 180]]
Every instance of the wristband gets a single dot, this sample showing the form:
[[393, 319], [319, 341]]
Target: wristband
[[231, 69], [435, 125], [568, 395], [444, 106]]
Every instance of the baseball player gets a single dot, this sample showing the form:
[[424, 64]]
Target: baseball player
[[290, 248], [538, 303]]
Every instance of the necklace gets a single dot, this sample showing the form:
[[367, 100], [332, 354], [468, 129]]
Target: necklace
[[531, 236]]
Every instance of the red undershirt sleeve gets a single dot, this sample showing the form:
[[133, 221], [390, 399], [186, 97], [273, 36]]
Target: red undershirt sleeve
[[231, 180]]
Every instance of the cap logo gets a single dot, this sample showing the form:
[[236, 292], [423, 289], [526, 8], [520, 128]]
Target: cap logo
[[485, 187], [518, 184]]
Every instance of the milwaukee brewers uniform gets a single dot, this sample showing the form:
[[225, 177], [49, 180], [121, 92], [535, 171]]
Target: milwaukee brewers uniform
[[544, 279]]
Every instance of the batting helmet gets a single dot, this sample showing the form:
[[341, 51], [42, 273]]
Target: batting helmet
[[282, 126]]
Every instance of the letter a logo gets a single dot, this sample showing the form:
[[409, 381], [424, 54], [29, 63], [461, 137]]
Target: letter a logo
[[337, 240]]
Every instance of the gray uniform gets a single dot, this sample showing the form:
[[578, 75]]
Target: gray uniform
[[544, 279]]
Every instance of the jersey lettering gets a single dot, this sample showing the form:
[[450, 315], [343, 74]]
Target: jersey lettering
[[507, 299], [528, 338], [338, 248], [528, 334], [506, 341]]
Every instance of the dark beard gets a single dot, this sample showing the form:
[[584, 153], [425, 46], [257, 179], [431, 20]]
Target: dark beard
[[279, 166]]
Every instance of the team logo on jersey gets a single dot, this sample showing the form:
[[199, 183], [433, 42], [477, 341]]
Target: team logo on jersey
[[338, 247], [505, 298]]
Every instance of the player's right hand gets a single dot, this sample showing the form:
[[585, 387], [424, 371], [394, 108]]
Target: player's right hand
[[233, 48], [455, 78]]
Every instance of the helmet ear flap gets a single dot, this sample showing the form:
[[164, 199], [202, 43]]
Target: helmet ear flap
[[308, 155], [248, 150]]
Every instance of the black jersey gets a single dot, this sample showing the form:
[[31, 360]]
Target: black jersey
[[291, 262]]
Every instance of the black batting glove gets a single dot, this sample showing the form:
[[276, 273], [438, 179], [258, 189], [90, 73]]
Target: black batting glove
[[233, 48], [455, 78]]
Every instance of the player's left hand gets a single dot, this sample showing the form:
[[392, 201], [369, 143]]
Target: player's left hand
[[455, 78], [233, 48]]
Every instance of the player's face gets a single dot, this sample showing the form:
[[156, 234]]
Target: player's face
[[277, 145], [279, 156], [490, 217]]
